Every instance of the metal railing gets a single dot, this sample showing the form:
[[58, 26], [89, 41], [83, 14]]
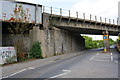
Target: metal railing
[[80, 15]]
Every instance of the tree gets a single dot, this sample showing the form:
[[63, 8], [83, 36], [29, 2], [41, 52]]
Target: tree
[[89, 43], [19, 23], [20, 20], [111, 41], [35, 51]]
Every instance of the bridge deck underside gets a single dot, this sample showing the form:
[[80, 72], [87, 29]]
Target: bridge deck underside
[[78, 26], [79, 31]]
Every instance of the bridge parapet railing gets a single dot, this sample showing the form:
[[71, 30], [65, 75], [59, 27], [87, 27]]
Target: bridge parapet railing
[[80, 15]]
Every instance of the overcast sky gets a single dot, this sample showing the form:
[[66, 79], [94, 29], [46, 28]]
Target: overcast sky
[[103, 8]]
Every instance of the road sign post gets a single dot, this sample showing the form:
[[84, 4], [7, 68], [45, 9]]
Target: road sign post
[[105, 37], [106, 42]]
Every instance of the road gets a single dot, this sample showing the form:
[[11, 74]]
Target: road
[[92, 64]]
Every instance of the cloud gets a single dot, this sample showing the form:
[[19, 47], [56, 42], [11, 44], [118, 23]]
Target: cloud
[[47, 1], [30, 1], [104, 8]]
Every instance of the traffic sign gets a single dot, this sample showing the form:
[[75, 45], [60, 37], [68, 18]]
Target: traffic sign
[[105, 37]]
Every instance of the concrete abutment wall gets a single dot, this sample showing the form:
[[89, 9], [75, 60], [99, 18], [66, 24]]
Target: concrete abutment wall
[[55, 41]]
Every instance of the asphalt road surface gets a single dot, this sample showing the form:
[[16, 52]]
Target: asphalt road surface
[[92, 64]]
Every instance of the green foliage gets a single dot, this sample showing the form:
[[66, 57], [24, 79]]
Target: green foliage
[[90, 44], [11, 60], [21, 19], [35, 51], [19, 48], [111, 41]]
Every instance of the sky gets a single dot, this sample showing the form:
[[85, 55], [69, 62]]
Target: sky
[[104, 8]]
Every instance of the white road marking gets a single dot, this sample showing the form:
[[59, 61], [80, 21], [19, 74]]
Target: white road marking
[[111, 58], [5, 77], [116, 61], [18, 72], [31, 68], [92, 58], [111, 54], [104, 57], [65, 72], [15, 73], [100, 60]]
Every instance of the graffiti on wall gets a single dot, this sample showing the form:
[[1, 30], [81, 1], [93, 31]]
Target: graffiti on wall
[[7, 55]]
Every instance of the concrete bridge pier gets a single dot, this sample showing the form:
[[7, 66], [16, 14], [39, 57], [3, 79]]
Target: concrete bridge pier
[[38, 35]]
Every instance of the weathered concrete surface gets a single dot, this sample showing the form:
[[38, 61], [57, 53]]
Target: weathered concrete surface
[[55, 41], [37, 35], [66, 42], [63, 33], [82, 26], [119, 12], [12, 39], [60, 41], [0, 24], [0, 34]]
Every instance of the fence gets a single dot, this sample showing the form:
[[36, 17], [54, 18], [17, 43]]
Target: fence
[[80, 15]]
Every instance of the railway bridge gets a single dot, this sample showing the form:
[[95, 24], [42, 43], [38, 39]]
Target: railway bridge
[[60, 32]]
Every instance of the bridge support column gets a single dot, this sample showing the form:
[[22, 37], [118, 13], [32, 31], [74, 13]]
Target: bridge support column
[[38, 35], [106, 40]]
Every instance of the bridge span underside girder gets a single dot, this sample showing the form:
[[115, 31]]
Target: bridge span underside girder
[[81, 26], [78, 31]]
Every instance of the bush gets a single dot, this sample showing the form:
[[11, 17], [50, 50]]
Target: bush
[[35, 51], [19, 48]]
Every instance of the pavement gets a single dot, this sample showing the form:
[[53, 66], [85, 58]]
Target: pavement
[[86, 64]]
